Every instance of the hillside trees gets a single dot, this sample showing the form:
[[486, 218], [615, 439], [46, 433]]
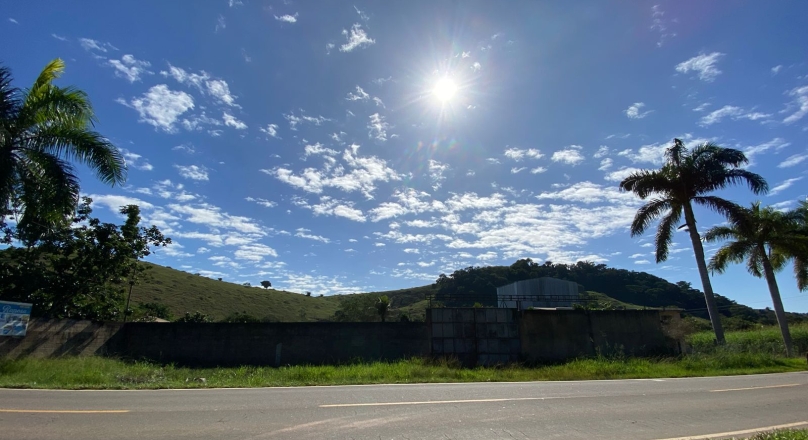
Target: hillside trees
[[79, 271]]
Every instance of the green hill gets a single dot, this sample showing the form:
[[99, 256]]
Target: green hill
[[183, 292]]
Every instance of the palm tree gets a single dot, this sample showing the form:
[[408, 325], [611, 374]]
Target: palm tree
[[766, 239], [43, 129], [687, 177]]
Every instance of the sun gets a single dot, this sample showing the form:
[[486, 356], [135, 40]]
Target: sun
[[444, 89]]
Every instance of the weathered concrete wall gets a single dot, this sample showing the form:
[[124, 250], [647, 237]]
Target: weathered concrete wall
[[256, 344], [61, 338], [475, 336], [555, 335]]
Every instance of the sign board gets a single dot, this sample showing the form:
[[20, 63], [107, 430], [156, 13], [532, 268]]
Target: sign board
[[14, 318]]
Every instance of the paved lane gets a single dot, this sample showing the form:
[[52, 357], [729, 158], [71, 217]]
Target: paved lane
[[642, 409]]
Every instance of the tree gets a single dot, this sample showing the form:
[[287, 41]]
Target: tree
[[79, 271], [41, 129], [266, 284], [195, 317], [686, 178], [382, 306], [246, 284], [765, 238], [356, 308]]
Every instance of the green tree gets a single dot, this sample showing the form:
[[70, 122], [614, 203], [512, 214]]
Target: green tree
[[382, 307], [42, 129], [766, 239], [687, 178], [357, 308], [266, 284], [195, 317], [79, 271]]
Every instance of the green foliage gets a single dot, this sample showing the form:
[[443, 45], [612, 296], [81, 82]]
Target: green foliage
[[79, 271], [103, 373], [41, 129], [759, 339], [382, 306], [152, 310], [195, 317], [242, 318], [782, 434], [357, 308], [266, 284]]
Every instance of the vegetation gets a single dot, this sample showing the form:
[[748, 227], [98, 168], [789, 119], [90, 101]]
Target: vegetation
[[41, 129], [782, 434], [104, 373], [766, 239], [79, 271], [686, 178], [765, 340]]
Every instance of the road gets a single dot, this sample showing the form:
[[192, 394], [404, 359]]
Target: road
[[630, 409]]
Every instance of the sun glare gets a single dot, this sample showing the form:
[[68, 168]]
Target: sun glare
[[444, 89]]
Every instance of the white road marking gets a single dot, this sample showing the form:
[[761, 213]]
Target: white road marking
[[65, 411], [439, 402], [745, 431], [757, 388]]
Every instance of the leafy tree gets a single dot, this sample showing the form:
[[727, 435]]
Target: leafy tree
[[686, 178], [80, 271], [151, 311], [241, 318], [357, 308], [266, 284], [195, 317], [41, 129], [765, 238], [246, 284], [382, 307]]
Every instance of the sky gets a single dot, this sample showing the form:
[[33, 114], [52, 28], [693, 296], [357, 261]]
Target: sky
[[335, 148]]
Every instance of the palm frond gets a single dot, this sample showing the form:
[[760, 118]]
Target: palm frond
[[720, 178], [733, 252], [732, 211], [801, 272], [9, 100], [665, 231], [718, 233], [52, 71], [710, 153], [647, 214], [646, 182]]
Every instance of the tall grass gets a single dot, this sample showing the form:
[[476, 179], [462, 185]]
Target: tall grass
[[105, 373], [762, 340]]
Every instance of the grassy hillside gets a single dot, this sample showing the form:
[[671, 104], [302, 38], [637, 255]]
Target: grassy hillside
[[184, 292]]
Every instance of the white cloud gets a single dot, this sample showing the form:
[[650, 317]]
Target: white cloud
[[776, 69], [730, 111], [216, 88], [130, 68], [233, 3], [784, 185], [605, 164], [304, 233], [357, 37], [115, 202], [660, 24], [318, 149], [13, 20], [519, 154], [193, 172], [362, 15], [588, 192], [254, 252], [476, 66], [800, 95], [231, 121], [538, 170], [633, 111], [59, 37], [337, 208], [185, 147], [360, 95], [271, 130], [221, 92], [436, 170], [161, 106], [517, 170], [134, 160], [263, 202], [94, 45], [603, 151], [379, 102], [701, 107], [220, 23], [619, 175], [703, 64], [294, 120], [793, 160], [777, 144], [377, 127], [381, 81], [287, 18], [570, 155], [642, 262]]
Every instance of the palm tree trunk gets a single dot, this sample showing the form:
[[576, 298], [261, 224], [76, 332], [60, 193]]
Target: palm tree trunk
[[709, 297], [779, 312]]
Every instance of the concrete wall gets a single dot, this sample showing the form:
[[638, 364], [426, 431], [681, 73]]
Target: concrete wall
[[301, 343], [556, 335], [475, 336], [61, 338]]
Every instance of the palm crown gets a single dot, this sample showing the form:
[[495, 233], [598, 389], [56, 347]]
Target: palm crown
[[43, 129]]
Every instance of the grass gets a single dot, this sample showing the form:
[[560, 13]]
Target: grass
[[762, 340], [105, 373]]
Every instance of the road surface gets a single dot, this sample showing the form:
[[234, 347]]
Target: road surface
[[626, 409]]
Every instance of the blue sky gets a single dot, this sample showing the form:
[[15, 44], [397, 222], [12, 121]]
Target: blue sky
[[308, 143]]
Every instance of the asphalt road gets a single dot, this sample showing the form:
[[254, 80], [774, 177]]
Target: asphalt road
[[625, 409]]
